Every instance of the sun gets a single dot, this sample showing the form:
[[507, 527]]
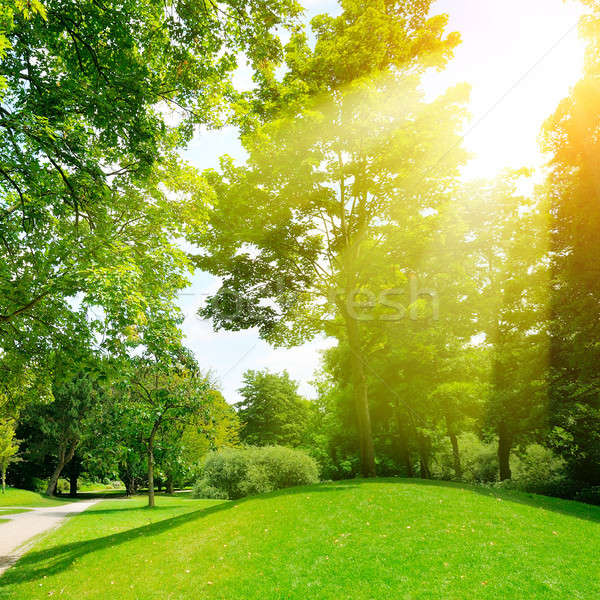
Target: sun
[[519, 70]]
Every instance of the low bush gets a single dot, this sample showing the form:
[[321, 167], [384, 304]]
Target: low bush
[[237, 472], [62, 486], [203, 489], [38, 485]]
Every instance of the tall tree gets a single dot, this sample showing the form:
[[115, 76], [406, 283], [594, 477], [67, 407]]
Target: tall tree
[[572, 135], [509, 246], [346, 161]]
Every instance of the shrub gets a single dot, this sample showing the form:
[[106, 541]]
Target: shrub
[[538, 466], [479, 459], [203, 489], [38, 485], [62, 486], [236, 472]]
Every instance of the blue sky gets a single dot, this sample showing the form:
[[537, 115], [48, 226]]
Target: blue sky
[[520, 57]]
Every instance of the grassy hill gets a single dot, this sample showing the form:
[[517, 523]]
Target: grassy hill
[[388, 539]]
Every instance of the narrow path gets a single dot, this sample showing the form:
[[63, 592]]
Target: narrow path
[[17, 535]]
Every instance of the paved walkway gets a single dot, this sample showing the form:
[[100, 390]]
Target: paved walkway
[[17, 535]]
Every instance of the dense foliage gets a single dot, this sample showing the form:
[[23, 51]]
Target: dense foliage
[[272, 411], [96, 100], [465, 315], [238, 472]]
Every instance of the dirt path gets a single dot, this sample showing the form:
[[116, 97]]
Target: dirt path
[[17, 535]]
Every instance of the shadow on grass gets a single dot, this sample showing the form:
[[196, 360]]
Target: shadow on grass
[[121, 494], [38, 564], [108, 511]]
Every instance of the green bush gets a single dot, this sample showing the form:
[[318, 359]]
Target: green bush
[[62, 486], [237, 472], [203, 489], [39, 485], [538, 466]]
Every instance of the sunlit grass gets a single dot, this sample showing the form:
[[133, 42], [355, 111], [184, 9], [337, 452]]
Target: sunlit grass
[[12, 511], [376, 539], [16, 497]]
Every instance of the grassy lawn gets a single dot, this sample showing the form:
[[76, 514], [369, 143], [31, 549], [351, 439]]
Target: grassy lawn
[[12, 511], [16, 497], [385, 539]]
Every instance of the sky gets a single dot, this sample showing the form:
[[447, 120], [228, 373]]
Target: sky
[[520, 57]]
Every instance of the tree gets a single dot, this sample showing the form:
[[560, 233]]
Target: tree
[[459, 404], [339, 180], [572, 136], [272, 412], [9, 447], [508, 243], [65, 421], [183, 444], [92, 193], [163, 393]]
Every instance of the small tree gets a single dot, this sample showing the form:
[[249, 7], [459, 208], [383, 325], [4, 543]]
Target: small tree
[[163, 394], [66, 421], [9, 447]]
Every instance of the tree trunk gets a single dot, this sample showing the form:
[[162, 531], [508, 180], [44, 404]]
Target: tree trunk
[[455, 455], [4, 481], [455, 450], [64, 457], [424, 457], [73, 485], [158, 484], [170, 489], [402, 450], [151, 474], [54, 479], [504, 448], [151, 464], [129, 485], [361, 400]]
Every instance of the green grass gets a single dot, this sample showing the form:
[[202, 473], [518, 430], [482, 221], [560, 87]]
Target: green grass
[[16, 497], [12, 511], [383, 539]]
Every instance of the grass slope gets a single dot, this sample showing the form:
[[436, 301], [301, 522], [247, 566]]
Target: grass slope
[[16, 497], [379, 539]]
